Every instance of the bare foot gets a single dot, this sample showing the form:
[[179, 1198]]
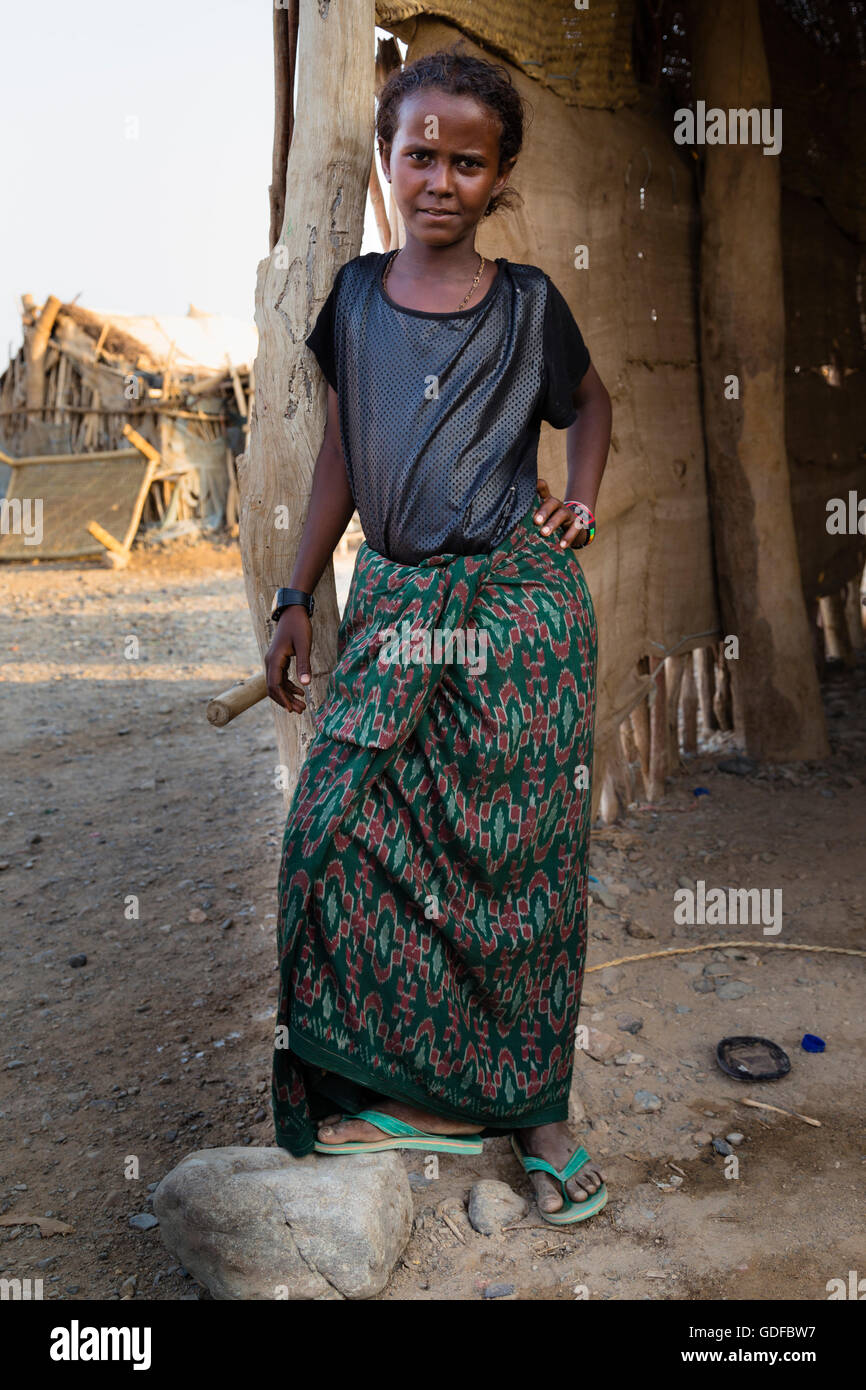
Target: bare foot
[[335, 1130], [554, 1144]]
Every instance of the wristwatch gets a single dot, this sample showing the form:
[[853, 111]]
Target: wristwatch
[[286, 598]]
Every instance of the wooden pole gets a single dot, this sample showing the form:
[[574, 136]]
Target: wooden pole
[[855, 615], [722, 706], [326, 185], [640, 725], [285, 57], [674, 668], [706, 677], [36, 344], [836, 634], [776, 695], [689, 705], [658, 764]]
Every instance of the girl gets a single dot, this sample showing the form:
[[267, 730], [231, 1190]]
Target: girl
[[432, 915]]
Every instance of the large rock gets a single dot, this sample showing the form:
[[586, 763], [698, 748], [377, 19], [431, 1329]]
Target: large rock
[[254, 1223]]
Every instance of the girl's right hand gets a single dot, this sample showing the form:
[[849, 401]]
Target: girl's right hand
[[292, 638]]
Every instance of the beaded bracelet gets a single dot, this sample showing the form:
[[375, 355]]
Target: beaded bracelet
[[582, 512]]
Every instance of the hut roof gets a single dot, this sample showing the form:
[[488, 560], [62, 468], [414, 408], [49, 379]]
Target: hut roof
[[200, 339]]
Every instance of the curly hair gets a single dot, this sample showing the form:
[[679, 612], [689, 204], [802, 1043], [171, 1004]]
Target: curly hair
[[460, 73]]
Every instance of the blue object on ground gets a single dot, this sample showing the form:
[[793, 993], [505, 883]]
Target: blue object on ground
[[701, 791], [812, 1043]]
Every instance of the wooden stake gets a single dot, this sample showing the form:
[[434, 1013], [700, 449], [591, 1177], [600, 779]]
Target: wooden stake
[[105, 538], [855, 615], [836, 635], [658, 733], [674, 667], [640, 726], [142, 444], [722, 698], [706, 676], [689, 705]]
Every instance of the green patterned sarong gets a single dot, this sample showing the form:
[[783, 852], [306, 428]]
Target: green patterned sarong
[[432, 899]]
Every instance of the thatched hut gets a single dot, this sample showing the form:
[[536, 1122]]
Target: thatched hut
[[83, 379]]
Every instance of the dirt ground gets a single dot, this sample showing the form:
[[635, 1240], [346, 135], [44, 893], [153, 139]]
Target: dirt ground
[[116, 789]]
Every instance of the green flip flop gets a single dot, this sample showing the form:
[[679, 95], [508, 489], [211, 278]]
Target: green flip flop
[[403, 1136], [570, 1211]]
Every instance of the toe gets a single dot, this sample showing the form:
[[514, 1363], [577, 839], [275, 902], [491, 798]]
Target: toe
[[547, 1192]]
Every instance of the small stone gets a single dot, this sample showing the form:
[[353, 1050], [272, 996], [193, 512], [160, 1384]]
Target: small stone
[[639, 932], [738, 767], [734, 1138], [498, 1290], [721, 1146], [13, 1066], [128, 1287], [611, 978], [685, 882], [195, 914], [493, 1205], [626, 1024], [143, 1222], [705, 985], [76, 961], [681, 1009], [734, 989], [702, 1137], [629, 1059], [645, 1101], [229, 922], [418, 1182], [601, 1046], [718, 967], [602, 894]]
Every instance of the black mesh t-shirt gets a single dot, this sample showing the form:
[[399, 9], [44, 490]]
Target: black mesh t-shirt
[[440, 412]]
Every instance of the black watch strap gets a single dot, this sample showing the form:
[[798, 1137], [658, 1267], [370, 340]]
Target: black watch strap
[[286, 598]]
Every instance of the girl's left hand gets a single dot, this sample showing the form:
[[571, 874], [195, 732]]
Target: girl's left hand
[[553, 515]]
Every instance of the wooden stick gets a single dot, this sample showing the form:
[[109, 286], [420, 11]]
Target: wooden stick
[[238, 389], [142, 445], [706, 689], [658, 733], [96, 456], [35, 346], [722, 707], [855, 614], [689, 705], [640, 724], [674, 667], [762, 1105], [105, 538], [222, 709], [836, 634], [141, 496], [452, 1226]]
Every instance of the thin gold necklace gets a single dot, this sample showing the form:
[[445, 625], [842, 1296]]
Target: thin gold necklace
[[472, 287]]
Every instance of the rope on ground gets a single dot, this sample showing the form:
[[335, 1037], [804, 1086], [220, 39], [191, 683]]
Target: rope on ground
[[723, 945]]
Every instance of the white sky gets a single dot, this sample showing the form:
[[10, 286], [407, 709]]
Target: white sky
[[178, 214]]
